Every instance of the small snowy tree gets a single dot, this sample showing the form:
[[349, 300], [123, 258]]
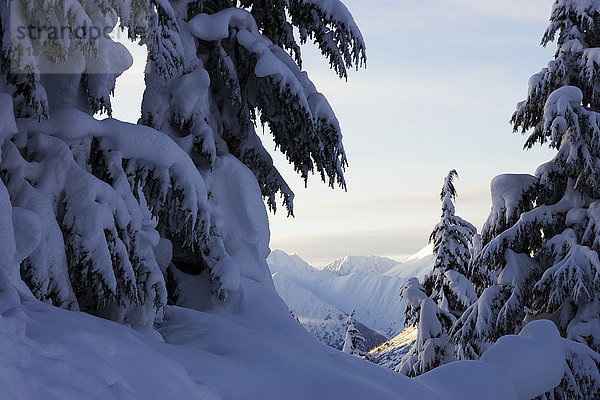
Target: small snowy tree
[[540, 254], [452, 240], [432, 347], [294, 316], [353, 342]]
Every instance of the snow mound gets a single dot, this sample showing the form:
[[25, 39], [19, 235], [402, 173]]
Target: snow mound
[[469, 380], [534, 360], [360, 264], [49, 353], [516, 367], [257, 352]]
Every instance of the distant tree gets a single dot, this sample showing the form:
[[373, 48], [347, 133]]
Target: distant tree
[[542, 238], [353, 342], [432, 347], [452, 238], [294, 316]]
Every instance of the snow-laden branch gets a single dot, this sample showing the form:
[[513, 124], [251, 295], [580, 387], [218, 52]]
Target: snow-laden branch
[[102, 189]]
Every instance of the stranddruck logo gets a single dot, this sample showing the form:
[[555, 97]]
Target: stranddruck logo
[[43, 45], [81, 33]]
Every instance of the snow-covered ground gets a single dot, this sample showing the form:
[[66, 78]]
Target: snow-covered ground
[[256, 351], [248, 348]]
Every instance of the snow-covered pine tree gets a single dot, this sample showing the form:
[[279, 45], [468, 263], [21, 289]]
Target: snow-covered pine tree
[[353, 342], [227, 67], [115, 214], [452, 238], [239, 72], [90, 234], [446, 291], [541, 240], [432, 347]]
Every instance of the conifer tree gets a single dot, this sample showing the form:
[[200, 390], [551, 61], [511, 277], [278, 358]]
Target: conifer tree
[[123, 214], [353, 342], [452, 240], [294, 316], [432, 347], [540, 254], [245, 75], [446, 291], [209, 98]]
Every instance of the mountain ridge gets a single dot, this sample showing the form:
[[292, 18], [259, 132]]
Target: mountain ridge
[[360, 264], [374, 295]]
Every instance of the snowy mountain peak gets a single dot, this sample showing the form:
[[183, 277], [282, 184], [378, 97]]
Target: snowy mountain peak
[[419, 265], [346, 284], [360, 264], [424, 252], [279, 260]]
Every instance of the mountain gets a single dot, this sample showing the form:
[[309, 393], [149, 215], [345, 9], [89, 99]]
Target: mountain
[[374, 295], [360, 264], [288, 262], [419, 264], [389, 353], [322, 320]]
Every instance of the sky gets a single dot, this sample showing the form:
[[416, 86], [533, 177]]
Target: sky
[[442, 81]]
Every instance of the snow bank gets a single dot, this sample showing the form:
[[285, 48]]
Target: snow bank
[[49, 353], [259, 351], [516, 367], [469, 380], [534, 361]]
